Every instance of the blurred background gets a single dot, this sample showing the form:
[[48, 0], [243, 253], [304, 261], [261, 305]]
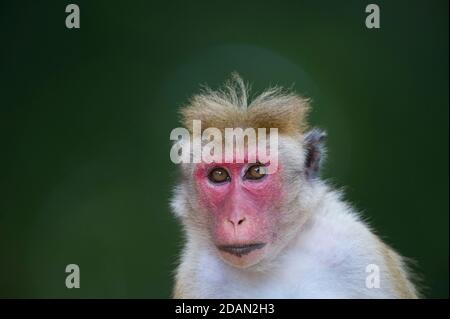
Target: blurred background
[[85, 118]]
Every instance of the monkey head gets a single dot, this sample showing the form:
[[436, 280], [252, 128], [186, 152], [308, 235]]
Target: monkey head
[[237, 209]]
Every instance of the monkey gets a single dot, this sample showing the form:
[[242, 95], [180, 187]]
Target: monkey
[[289, 234]]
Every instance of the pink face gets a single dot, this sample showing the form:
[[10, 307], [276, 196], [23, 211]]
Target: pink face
[[240, 205]]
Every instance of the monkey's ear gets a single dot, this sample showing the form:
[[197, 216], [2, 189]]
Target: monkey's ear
[[315, 152]]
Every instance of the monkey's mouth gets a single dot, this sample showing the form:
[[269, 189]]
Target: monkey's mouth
[[239, 250]]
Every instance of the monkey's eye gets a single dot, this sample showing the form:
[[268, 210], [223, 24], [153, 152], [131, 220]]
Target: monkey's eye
[[218, 175], [255, 172]]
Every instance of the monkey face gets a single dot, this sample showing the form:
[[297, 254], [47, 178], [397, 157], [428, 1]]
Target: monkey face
[[239, 201]]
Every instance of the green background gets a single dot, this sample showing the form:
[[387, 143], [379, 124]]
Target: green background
[[86, 116]]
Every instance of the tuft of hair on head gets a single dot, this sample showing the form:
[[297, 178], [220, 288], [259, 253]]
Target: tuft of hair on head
[[229, 107]]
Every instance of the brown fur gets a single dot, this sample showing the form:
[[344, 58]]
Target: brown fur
[[399, 276], [274, 108]]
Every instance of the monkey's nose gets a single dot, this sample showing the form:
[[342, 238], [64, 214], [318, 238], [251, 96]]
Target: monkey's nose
[[237, 221]]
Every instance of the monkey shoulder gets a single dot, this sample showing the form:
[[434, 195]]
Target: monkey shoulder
[[337, 238], [337, 252]]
